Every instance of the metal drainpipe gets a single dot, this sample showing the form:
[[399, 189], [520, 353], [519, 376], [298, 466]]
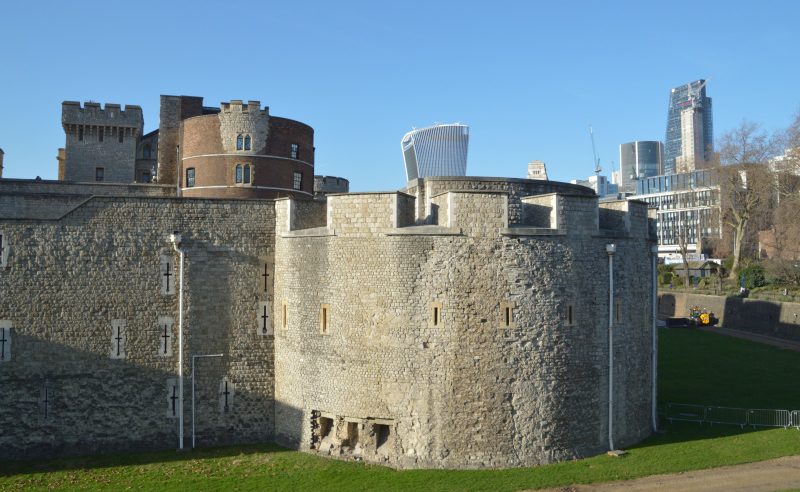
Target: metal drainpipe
[[175, 238], [654, 349], [611, 249]]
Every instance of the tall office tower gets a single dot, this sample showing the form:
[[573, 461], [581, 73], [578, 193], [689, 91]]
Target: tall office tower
[[637, 160], [439, 150], [689, 143]]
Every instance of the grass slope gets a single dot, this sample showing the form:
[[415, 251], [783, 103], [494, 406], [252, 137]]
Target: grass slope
[[695, 367]]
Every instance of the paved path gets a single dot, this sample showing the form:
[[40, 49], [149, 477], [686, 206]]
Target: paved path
[[778, 474], [755, 337]]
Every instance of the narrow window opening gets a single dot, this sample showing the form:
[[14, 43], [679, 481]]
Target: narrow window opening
[[295, 152], [80, 133], [324, 318], [247, 142], [297, 182], [99, 173], [247, 173], [570, 319], [121, 134], [239, 141], [435, 315], [285, 317], [100, 133], [507, 316], [617, 311], [238, 174], [190, 177]]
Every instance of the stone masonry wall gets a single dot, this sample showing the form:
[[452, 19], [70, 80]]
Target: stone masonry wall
[[396, 345], [102, 268]]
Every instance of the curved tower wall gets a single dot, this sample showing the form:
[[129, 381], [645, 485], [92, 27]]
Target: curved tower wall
[[279, 149], [477, 341]]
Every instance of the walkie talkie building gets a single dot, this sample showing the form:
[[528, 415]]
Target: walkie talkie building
[[439, 150]]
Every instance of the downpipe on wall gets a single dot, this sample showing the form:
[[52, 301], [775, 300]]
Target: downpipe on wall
[[654, 348], [610, 250], [175, 239]]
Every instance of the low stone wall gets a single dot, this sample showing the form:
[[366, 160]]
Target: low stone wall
[[776, 319]]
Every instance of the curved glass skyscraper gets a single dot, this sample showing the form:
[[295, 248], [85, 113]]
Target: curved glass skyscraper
[[439, 150], [638, 160]]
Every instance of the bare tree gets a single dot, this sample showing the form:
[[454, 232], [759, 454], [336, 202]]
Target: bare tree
[[745, 183]]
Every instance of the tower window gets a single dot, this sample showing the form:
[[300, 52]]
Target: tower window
[[297, 182], [295, 151], [120, 134], [239, 142], [80, 133], [146, 152], [238, 174], [99, 173], [570, 315], [190, 177], [247, 142], [435, 318], [324, 318], [100, 133], [507, 315], [247, 172], [285, 317]]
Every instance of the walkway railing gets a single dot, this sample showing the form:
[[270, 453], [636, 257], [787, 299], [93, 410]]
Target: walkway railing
[[754, 417]]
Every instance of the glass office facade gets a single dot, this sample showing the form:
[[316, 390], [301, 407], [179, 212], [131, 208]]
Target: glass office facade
[[679, 101], [639, 160]]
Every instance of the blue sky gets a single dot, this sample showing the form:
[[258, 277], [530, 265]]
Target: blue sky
[[528, 77]]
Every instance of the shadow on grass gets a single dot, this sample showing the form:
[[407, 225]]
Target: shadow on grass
[[682, 432], [129, 459]]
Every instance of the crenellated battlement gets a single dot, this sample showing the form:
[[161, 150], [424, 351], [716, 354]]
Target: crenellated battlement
[[238, 106], [477, 212], [93, 114]]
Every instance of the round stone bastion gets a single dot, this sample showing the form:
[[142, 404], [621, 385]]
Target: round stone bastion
[[462, 323]]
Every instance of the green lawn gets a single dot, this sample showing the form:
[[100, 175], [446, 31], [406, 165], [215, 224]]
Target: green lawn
[[715, 370]]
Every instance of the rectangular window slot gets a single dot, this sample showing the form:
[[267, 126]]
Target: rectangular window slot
[[507, 315], [617, 311], [285, 317], [570, 315], [120, 134], [324, 318], [435, 314], [99, 173], [100, 133]]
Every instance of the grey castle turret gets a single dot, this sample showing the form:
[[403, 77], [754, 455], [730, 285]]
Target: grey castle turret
[[100, 142]]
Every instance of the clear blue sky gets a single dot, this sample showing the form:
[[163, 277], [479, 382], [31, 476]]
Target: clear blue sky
[[528, 77]]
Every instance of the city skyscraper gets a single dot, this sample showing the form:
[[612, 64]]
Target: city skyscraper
[[638, 160], [438, 150], [689, 142]]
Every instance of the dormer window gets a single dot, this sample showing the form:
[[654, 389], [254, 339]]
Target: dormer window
[[239, 142], [247, 142]]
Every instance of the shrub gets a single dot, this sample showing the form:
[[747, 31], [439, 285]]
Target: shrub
[[664, 278], [754, 276]]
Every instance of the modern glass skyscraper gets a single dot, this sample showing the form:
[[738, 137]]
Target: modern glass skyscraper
[[689, 142], [439, 150], [638, 160]]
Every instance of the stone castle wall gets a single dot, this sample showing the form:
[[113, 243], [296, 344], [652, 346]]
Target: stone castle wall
[[470, 342], [101, 268]]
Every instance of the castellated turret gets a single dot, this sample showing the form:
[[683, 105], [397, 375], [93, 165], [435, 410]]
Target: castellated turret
[[100, 141]]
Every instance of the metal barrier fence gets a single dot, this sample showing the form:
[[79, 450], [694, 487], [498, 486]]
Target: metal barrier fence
[[755, 417]]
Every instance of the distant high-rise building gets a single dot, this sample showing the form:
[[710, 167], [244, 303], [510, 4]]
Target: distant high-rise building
[[600, 184], [439, 150], [689, 143], [638, 160], [537, 170]]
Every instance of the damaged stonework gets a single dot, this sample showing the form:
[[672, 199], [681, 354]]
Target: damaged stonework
[[367, 439]]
